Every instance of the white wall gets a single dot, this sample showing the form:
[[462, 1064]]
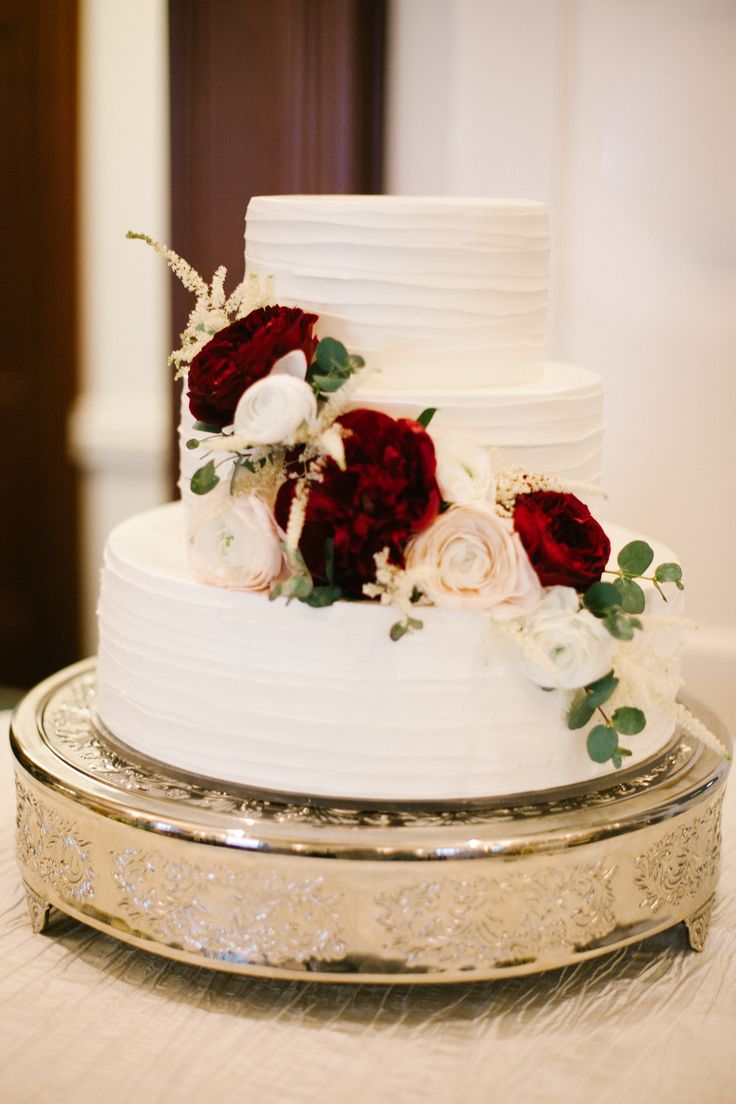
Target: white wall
[[620, 115], [118, 430]]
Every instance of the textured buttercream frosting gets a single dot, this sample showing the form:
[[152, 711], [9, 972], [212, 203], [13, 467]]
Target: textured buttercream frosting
[[430, 291], [321, 701]]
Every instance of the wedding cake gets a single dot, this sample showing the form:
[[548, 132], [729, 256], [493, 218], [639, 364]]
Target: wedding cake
[[384, 581]]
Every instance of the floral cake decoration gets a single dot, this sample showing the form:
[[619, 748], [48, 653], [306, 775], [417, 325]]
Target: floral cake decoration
[[308, 497]]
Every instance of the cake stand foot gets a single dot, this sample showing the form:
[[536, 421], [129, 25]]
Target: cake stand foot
[[39, 910], [698, 925]]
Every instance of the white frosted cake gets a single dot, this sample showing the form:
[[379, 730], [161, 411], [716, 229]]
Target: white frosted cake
[[383, 582]]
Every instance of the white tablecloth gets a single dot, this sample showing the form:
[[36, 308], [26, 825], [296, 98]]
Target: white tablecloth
[[85, 1018]]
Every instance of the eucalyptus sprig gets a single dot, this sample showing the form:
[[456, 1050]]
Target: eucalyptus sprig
[[633, 560], [300, 584], [603, 739], [332, 366]]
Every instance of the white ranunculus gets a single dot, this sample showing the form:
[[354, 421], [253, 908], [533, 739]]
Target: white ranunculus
[[234, 542], [273, 409], [573, 646], [291, 364], [470, 558], [464, 471]]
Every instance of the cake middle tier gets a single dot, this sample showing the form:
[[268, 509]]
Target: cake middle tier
[[553, 425]]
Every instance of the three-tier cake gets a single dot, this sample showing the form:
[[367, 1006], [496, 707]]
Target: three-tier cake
[[384, 581]]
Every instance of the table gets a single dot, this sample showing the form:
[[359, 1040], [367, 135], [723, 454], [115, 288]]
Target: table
[[82, 1015]]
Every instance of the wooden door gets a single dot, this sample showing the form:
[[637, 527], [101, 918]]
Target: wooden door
[[284, 96], [38, 575]]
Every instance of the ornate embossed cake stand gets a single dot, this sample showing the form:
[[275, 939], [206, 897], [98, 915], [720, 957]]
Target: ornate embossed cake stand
[[221, 877]]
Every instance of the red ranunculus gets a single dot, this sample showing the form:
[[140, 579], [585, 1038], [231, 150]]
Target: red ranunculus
[[387, 493], [564, 542], [242, 353]]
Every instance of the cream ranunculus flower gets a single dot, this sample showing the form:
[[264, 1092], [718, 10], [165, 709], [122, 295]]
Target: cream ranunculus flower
[[574, 647], [273, 409], [234, 542], [464, 470], [470, 558]]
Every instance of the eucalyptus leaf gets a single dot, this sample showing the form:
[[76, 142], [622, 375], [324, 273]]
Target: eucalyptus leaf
[[276, 591], [301, 587], [581, 711], [600, 691], [193, 443], [321, 596], [206, 427], [619, 625], [355, 362], [602, 743], [398, 629], [205, 479], [426, 416], [635, 557], [328, 384], [600, 597], [631, 595], [330, 559], [331, 354], [616, 759], [628, 721], [414, 623], [668, 573]]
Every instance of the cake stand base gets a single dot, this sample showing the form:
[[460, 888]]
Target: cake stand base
[[217, 876]]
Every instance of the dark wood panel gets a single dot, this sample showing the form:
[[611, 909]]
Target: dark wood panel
[[38, 555], [277, 97]]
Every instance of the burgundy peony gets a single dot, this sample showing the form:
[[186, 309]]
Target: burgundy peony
[[242, 353], [387, 493], [564, 542]]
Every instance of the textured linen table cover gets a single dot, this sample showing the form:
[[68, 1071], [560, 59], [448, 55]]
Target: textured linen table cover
[[84, 1018]]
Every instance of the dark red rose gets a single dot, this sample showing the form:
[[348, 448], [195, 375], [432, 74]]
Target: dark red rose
[[387, 493], [242, 353], [564, 542]]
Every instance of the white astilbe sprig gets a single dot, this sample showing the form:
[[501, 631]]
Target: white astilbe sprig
[[211, 311], [297, 516], [394, 585], [514, 481], [652, 679]]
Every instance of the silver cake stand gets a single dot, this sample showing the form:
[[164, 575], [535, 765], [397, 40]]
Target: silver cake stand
[[225, 878]]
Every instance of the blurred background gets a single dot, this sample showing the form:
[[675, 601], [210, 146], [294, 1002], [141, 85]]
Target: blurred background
[[165, 117]]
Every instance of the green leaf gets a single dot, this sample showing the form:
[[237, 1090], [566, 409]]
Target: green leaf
[[631, 595], [581, 711], [276, 591], [426, 416], [205, 427], [600, 691], [619, 625], [414, 623], [668, 573], [193, 443], [328, 384], [321, 596], [635, 557], [205, 479], [628, 721], [330, 559], [398, 629], [331, 355], [616, 759], [602, 743], [355, 362], [301, 587], [600, 597]]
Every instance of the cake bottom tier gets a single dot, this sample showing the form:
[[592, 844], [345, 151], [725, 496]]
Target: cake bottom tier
[[322, 702]]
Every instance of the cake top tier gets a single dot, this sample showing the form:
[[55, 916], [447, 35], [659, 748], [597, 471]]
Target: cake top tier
[[430, 291]]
